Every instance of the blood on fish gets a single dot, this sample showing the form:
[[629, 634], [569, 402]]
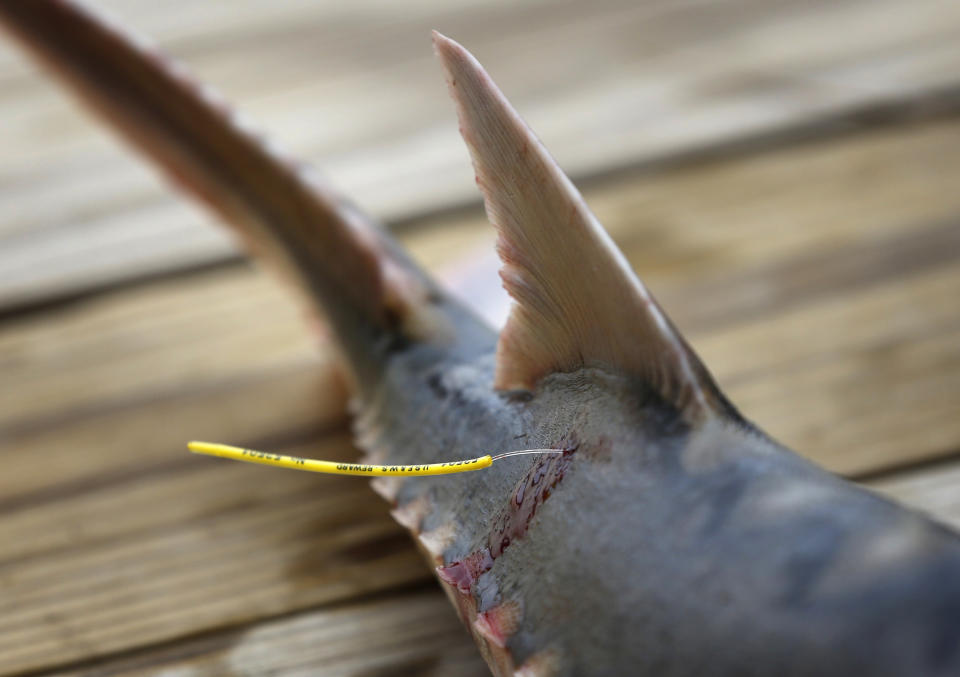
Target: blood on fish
[[499, 622], [512, 522], [464, 573]]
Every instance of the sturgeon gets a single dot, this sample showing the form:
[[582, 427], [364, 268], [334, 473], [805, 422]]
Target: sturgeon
[[672, 536]]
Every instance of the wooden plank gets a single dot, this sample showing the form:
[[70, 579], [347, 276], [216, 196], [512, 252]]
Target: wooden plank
[[734, 237], [179, 335], [862, 382], [933, 489], [647, 80], [170, 554], [410, 634]]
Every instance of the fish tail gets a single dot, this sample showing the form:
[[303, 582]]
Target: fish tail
[[350, 270]]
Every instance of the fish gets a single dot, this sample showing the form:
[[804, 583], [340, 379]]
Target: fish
[[671, 536]]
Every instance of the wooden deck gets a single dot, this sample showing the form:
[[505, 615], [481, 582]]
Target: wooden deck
[[784, 176]]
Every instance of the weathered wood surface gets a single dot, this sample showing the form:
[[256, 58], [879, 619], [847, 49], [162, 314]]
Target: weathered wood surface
[[353, 87], [818, 277]]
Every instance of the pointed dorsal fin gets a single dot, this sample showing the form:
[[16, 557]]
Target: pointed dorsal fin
[[577, 302]]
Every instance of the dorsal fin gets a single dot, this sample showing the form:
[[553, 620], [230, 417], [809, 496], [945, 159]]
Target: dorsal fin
[[577, 302]]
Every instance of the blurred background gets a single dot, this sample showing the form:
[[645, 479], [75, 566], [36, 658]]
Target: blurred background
[[782, 174]]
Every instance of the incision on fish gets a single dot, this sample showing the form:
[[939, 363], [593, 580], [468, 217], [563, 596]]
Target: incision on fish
[[511, 522]]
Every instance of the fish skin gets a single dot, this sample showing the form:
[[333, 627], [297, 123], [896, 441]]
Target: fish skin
[[670, 550], [660, 543]]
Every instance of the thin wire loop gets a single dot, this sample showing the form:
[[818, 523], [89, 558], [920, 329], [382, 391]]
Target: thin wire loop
[[523, 452]]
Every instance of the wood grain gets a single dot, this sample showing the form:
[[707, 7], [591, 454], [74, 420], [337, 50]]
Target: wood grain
[[931, 488], [606, 84], [407, 634], [167, 554]]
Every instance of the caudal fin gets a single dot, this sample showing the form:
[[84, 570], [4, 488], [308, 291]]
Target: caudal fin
[[362, 283]]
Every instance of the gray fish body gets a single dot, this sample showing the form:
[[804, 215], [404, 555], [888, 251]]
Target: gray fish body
[[671, 537], [665, 549]]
